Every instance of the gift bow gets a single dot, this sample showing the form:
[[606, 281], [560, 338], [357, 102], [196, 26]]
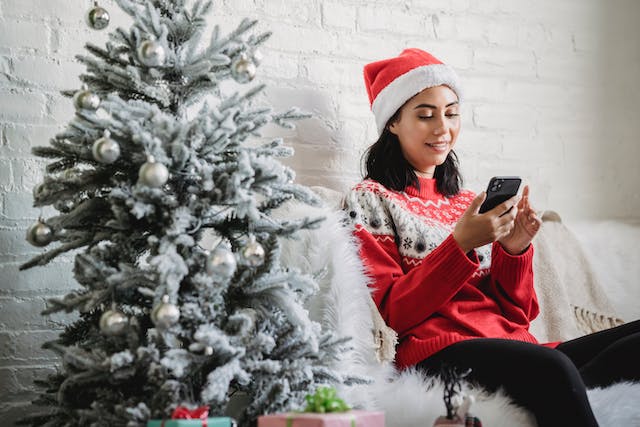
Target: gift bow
[[325, 399], [183, 413]]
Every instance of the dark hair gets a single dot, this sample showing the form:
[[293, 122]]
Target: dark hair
[[386, 164]]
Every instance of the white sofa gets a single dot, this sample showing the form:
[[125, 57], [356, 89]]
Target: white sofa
[[409, 399]]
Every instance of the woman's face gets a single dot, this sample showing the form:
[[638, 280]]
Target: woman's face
[[427, 128]]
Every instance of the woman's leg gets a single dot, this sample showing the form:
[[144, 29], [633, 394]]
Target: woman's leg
[[607, 356], [542, 379]]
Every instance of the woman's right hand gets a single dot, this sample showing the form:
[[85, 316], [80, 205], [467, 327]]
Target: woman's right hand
[[476, 229]]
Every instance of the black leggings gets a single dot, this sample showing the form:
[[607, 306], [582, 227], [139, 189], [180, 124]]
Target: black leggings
[[551, 383]]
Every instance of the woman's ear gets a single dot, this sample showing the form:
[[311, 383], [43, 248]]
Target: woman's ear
[[392, 127]]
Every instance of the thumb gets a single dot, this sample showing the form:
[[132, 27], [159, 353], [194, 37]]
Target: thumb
[[474, 207]]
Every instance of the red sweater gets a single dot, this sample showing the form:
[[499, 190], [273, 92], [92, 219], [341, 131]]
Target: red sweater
[[429, 291]]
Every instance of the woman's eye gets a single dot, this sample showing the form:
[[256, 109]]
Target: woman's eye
[[425, 117], [452, 114]]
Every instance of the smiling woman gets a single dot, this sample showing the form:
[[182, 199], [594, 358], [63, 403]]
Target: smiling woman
[[456, 284]]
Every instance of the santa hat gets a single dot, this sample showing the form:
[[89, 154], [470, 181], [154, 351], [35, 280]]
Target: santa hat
[[392, 82]]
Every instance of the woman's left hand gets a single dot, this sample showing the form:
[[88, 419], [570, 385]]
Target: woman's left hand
[[525, 227]]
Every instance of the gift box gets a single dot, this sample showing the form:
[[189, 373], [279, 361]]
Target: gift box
[[198, 417], [209, 422], [339, 419]]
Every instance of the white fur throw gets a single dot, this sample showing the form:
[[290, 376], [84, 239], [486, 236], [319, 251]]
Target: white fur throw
[[409, 399]]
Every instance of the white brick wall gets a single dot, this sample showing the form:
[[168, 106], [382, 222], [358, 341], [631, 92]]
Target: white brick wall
[[551, 95]]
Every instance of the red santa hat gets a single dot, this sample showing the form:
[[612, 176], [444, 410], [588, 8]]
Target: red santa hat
[[392, 82]]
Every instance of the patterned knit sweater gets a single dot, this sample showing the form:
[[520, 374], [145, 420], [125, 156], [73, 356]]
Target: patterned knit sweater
[[429, 291]]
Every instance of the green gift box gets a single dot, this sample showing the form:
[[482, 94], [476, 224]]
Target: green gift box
[[209, 422]]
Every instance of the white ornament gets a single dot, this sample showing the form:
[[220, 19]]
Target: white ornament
[[253, 253], [84, 99], [98, 17], [221, 262], [39, 234], [151, 53], [113, 322], [165, 314], [105, 150], [243, 70], [153, 174], [208, 351]]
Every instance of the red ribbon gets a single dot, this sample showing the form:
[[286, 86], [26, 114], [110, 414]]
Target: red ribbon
[[182, 413]]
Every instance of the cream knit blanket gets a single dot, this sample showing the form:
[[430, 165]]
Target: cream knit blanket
[[572, 301]]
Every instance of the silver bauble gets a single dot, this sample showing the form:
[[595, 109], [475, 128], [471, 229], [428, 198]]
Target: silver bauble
[[86, 100], [208, 350], [243, 70], [39, 234], [112, 322], [151, 53], [221, 262], [253, 254], [98, 17], [105, 150], [153, 174], [165, 314]]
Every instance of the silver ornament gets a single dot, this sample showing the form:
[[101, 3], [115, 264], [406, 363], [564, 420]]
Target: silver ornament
[[39, 234], [153, 174], [151, 53], [243, 70], [105, 150], [98, 17], [208, 351], [165, 314], [253, 253], [113, 322], [86, 100], [221, 262]]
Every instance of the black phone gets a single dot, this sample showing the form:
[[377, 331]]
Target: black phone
[[500, 189]]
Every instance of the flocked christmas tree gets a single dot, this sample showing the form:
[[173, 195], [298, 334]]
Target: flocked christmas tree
[[156, 154]]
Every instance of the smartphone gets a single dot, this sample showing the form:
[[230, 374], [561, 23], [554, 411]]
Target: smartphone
[[500, 189]]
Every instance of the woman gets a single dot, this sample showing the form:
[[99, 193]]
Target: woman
[[457, 285]]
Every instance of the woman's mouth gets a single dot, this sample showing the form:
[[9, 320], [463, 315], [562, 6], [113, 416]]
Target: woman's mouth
[[439, 146]]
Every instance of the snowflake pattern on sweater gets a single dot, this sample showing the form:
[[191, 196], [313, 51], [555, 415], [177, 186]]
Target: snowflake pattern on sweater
[[416, 225]]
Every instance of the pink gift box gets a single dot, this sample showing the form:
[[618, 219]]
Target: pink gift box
[[339, 419]]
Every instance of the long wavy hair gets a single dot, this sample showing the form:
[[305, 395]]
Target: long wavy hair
[[385, 163]]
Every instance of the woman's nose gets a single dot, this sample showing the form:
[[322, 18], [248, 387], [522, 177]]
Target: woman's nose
[[440, 126]]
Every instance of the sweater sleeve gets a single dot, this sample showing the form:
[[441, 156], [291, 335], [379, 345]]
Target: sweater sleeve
[[407, 299], [512, 284]]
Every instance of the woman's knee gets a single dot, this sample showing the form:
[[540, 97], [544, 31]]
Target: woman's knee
[[555, 367]]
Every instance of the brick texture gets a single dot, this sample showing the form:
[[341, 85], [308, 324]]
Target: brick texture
[[551, 96]]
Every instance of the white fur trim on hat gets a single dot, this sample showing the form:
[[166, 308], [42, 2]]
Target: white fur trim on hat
[[406, 86]]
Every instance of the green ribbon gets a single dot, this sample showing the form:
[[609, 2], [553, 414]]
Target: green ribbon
[[324, 400]]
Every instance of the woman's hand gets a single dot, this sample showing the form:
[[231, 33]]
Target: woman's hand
[[525, 227], [475, 229]]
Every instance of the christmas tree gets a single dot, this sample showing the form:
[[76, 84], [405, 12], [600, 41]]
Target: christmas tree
[[157, 153]]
